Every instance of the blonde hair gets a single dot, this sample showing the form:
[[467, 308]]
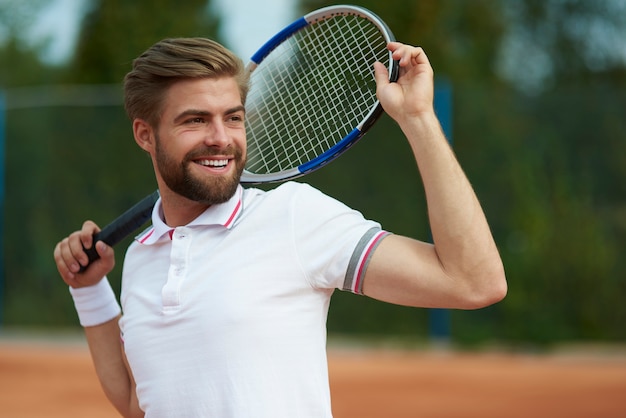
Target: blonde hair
[[175, 59]]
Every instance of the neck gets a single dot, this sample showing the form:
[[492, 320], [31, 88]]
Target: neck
[[178, 210]]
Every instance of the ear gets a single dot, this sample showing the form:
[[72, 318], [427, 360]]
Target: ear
[[144, 135]]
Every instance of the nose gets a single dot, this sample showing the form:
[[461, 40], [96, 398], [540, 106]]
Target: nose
[[217, 135]]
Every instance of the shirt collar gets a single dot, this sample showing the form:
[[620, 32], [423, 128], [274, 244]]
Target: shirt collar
[[224, 214]]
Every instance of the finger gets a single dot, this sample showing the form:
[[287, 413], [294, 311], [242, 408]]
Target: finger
[[399, 51], [103, 249], [87, 232], [381, 74], [102, 265], [419, 55], [407, 54], [74, 252], [64, 267], [392, 46], [82, 240]]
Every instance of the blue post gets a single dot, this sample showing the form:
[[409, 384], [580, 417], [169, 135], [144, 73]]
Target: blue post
[[443, 106], [439, 319]]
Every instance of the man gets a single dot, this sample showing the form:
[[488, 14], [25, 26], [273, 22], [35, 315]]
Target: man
[[225, 296]]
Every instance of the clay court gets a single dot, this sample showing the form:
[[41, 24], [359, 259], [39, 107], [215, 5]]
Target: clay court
[[56, 379]]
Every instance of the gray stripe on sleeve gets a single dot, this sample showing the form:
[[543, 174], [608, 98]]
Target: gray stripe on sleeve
[[354, 260]]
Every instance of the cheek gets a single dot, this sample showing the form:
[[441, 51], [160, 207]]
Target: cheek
[[180, 144], [242, 141], [188, 138]]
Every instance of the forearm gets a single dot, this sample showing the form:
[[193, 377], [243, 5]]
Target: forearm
[[99, 314], [107, 355]]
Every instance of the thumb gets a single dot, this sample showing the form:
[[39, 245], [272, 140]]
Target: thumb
[[381, 74], [102, 248], [106, 262]]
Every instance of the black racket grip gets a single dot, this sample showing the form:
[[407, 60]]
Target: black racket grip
[[123, 226]]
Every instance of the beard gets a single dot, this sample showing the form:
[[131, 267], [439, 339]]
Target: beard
[[208, 190]]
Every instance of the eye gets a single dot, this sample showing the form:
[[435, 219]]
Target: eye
[[195, 120], [235, 118]]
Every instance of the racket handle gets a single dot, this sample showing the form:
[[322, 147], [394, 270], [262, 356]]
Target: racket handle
[[123, 226]]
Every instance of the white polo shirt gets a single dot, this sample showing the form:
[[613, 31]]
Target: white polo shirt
[[226, 316]]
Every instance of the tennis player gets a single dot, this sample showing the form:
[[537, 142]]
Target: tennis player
[[225, 296]]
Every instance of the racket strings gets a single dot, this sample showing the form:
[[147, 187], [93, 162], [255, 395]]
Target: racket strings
[[301, 105]]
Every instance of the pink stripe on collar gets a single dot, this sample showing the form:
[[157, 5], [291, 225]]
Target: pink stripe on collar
[[148, 235], [230, 220]]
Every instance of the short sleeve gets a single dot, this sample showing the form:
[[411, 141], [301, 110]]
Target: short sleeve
[[334, 242]]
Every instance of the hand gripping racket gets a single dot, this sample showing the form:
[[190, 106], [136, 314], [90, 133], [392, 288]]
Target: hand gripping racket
[[312, 95]]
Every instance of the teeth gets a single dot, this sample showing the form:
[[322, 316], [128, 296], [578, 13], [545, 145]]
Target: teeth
[[213, 163]]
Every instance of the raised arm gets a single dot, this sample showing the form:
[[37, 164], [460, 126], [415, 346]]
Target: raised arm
[[463, 268], [99, 314]]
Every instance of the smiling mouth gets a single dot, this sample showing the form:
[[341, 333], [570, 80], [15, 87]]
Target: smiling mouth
[[213, 163]]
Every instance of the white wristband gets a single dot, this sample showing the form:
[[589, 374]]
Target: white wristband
[[95, 304]]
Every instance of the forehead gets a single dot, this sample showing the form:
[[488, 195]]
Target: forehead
[[202, 93]]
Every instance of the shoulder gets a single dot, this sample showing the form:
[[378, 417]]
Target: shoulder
[[285, 192], [299, 202], [286, 187]]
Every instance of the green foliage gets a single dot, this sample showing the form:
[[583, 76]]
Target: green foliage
[[460, 37], [73, 164], [546, 170], [114, 32], [572, 41], [25, 66], [19, 62]]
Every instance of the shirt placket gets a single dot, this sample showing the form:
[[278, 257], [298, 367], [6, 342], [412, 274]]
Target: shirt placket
[[179, 259]]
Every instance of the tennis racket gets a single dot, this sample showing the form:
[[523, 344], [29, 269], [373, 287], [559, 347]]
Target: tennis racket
[[122, 226], [312, 95]]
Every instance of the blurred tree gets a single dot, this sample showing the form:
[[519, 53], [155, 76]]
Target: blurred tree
[[555, 208], [15, 16], [114, 32], [460, 37], [555, 42], [21, 66], [20, 63]]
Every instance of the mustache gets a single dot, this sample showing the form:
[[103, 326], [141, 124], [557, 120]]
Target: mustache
[[205, 151]]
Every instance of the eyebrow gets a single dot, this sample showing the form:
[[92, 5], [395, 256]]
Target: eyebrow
[[198, 112]]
